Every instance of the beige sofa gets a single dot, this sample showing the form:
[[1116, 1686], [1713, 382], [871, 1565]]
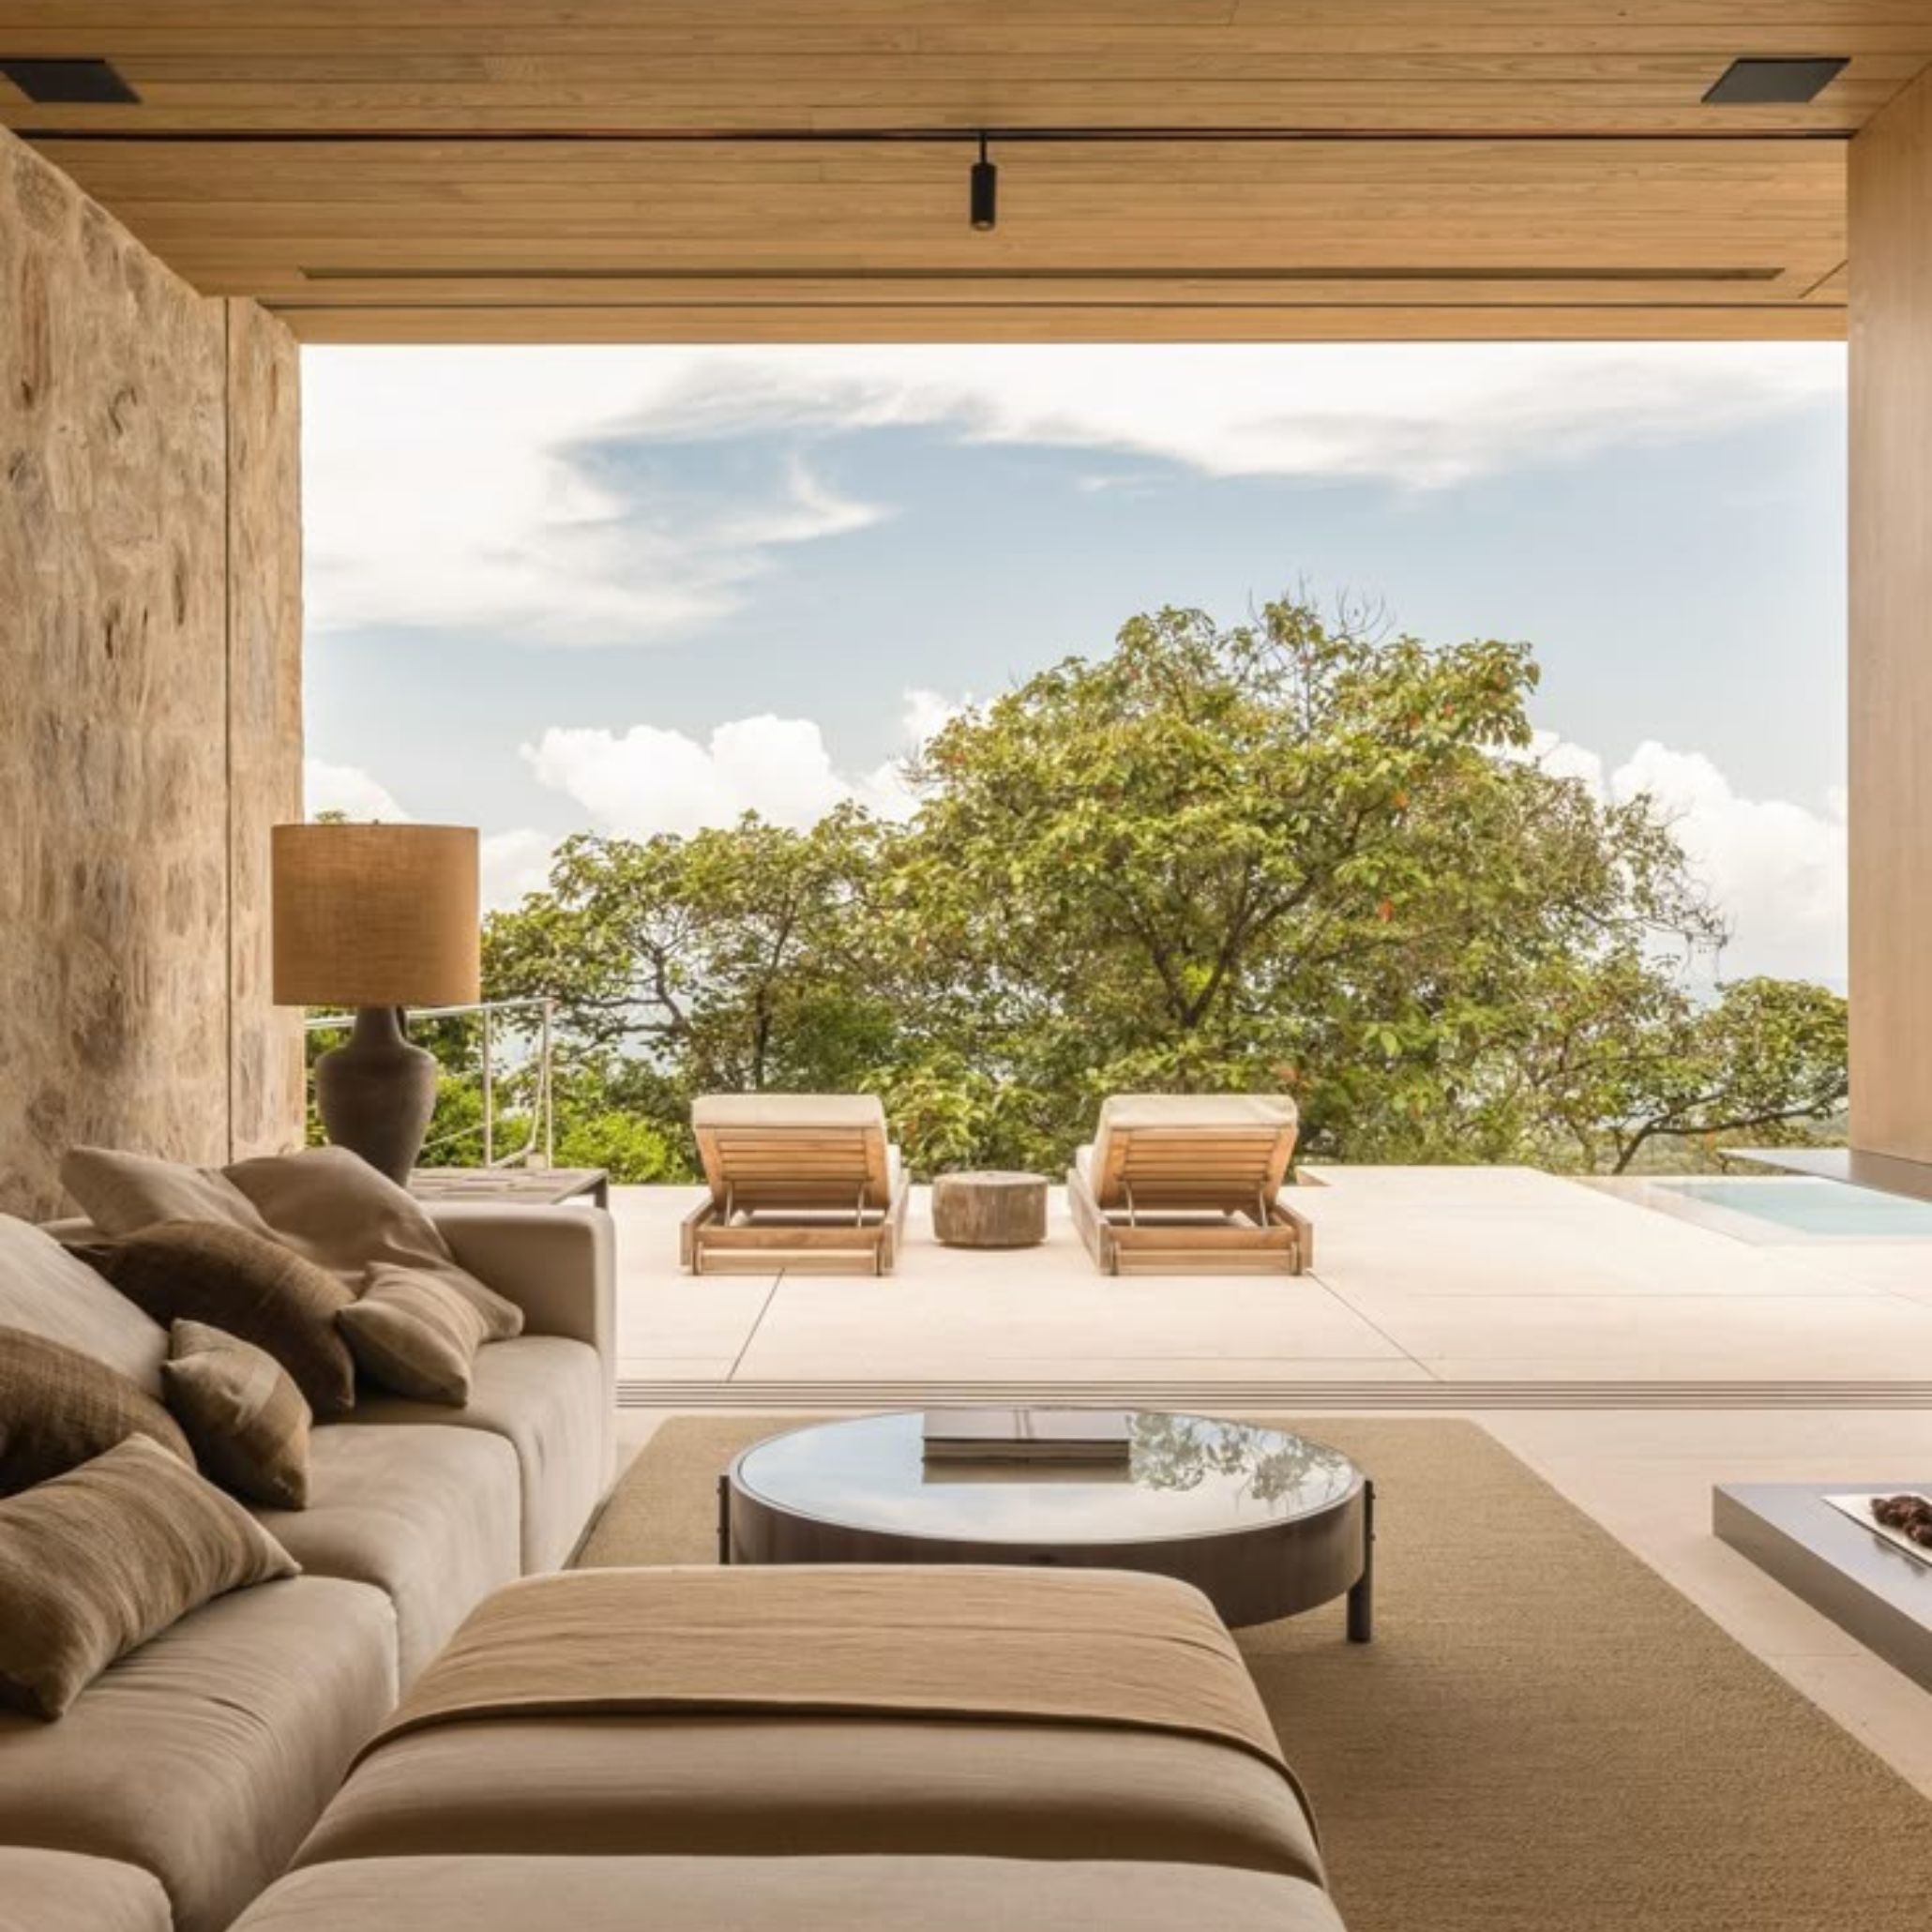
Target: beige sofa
[[184, 1779]]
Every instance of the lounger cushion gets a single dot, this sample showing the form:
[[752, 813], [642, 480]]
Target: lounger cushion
[[788, 1894], [64, 1892], [547, 1396], [204, 1756], [789, 1110], [429, 1517]]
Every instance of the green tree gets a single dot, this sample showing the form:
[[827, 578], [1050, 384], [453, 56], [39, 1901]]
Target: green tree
[[1295, 855], [733, 959]]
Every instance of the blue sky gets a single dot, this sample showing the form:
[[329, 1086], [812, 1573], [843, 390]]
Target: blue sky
[[641, 589]]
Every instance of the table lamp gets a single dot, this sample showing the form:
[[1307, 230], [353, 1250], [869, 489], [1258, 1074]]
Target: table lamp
[[378, 917]]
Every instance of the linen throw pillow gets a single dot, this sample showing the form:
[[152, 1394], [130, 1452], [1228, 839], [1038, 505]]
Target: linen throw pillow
[[123, 1193], [51, 1292], [95, 1562], [246, 1419], [415, 1334], [59, 1409], [246, 1285], [336, 1210]]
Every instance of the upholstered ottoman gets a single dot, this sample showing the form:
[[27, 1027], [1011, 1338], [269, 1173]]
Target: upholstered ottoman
[[635, 1739]]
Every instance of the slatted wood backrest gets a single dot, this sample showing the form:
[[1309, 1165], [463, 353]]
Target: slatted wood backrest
[[1229, 1164], [754, 1165]]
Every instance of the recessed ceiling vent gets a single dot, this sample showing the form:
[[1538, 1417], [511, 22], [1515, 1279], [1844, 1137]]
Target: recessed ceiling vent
[[69, 83], [1775, 83]]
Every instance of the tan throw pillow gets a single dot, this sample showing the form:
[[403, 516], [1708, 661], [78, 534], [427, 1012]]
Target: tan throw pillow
[[245, 1284], [123, 1193], [332, 1207], [59, 1409], [98, 1560], [245, 1418], [51, 1292], [415, 1334]]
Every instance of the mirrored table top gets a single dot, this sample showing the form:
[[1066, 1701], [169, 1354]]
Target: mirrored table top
[[1186, 1475]]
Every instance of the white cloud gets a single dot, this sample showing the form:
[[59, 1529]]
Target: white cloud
[[488, 488], [514, 863], [1420, 415], [1775, 868], [650, 779], [482, 491], [347, 788]]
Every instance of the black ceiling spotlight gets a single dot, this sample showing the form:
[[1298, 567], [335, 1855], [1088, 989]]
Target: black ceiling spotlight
[[1773, 82], [984, 199], [65, 82]]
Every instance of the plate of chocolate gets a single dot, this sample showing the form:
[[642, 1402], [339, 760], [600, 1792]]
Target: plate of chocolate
[[1902, 1517]]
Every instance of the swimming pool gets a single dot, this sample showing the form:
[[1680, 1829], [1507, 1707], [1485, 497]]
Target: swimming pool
[[1788, 1208]]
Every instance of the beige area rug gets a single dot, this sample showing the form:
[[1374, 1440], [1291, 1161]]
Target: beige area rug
[[1544, 1736]]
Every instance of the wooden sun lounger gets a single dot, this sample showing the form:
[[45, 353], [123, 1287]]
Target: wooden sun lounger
[[1187, 1183], [801, 1181]]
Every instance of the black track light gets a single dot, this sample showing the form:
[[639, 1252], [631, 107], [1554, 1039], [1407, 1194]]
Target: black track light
[[985, 197]]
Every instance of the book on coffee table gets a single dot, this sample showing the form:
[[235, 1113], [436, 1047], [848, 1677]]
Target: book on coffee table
[[1028, 1434]]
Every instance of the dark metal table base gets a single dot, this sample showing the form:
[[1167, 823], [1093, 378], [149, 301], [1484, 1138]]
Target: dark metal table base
[[818, 1542]]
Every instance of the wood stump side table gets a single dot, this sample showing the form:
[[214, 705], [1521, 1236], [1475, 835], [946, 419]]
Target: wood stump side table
[[990, 1210]]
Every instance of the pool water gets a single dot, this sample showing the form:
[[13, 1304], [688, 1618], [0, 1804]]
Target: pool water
[[1808, 1209]]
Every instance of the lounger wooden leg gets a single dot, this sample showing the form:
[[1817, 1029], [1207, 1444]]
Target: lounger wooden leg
[[1091, 1223]]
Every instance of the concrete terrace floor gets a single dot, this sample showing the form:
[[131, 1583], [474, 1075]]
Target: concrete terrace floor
[[1630, 1358], [1439, 1278]]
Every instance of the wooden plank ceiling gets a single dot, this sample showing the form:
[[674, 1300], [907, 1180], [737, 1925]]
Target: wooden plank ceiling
[[764, 169]]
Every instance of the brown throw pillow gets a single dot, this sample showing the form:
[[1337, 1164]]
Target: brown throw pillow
[[101, 1559], [59, 1409], [245, 1286], [415, 1334], [246, 1420], [332, 1207], [48, 1291], [123, 1193]]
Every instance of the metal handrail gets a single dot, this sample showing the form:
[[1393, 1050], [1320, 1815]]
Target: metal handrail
[[543, 1114]]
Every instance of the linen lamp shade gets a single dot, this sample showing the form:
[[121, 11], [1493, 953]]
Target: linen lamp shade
[[376, 915]]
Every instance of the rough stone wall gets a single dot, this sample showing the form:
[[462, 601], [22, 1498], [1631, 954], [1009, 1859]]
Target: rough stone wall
[[118, 662], [264, 711]]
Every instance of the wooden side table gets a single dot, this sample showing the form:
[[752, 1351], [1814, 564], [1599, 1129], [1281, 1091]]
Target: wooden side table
[[522, 1187], [990, 1210]]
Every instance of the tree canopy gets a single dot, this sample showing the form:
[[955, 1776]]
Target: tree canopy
[[1292, 856]]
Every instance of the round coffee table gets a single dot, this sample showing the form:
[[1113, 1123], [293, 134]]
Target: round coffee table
[[990, 1210], [1265, 1523]]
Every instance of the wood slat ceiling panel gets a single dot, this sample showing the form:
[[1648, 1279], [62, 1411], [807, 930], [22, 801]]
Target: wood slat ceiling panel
[[1487, 159], [1139, 322]]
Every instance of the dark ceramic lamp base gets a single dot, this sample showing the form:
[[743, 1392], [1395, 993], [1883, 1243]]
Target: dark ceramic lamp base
[[376, 1093]]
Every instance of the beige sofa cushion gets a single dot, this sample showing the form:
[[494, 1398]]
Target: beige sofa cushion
[[48, 1291], [95, 1562], [548, 1397], [246, 1285], [429, 1517], [246, 1418], [64, 1892], [744, 1786], [204, 1756], [122, 1193], [773, 1893], [59, 1409]]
